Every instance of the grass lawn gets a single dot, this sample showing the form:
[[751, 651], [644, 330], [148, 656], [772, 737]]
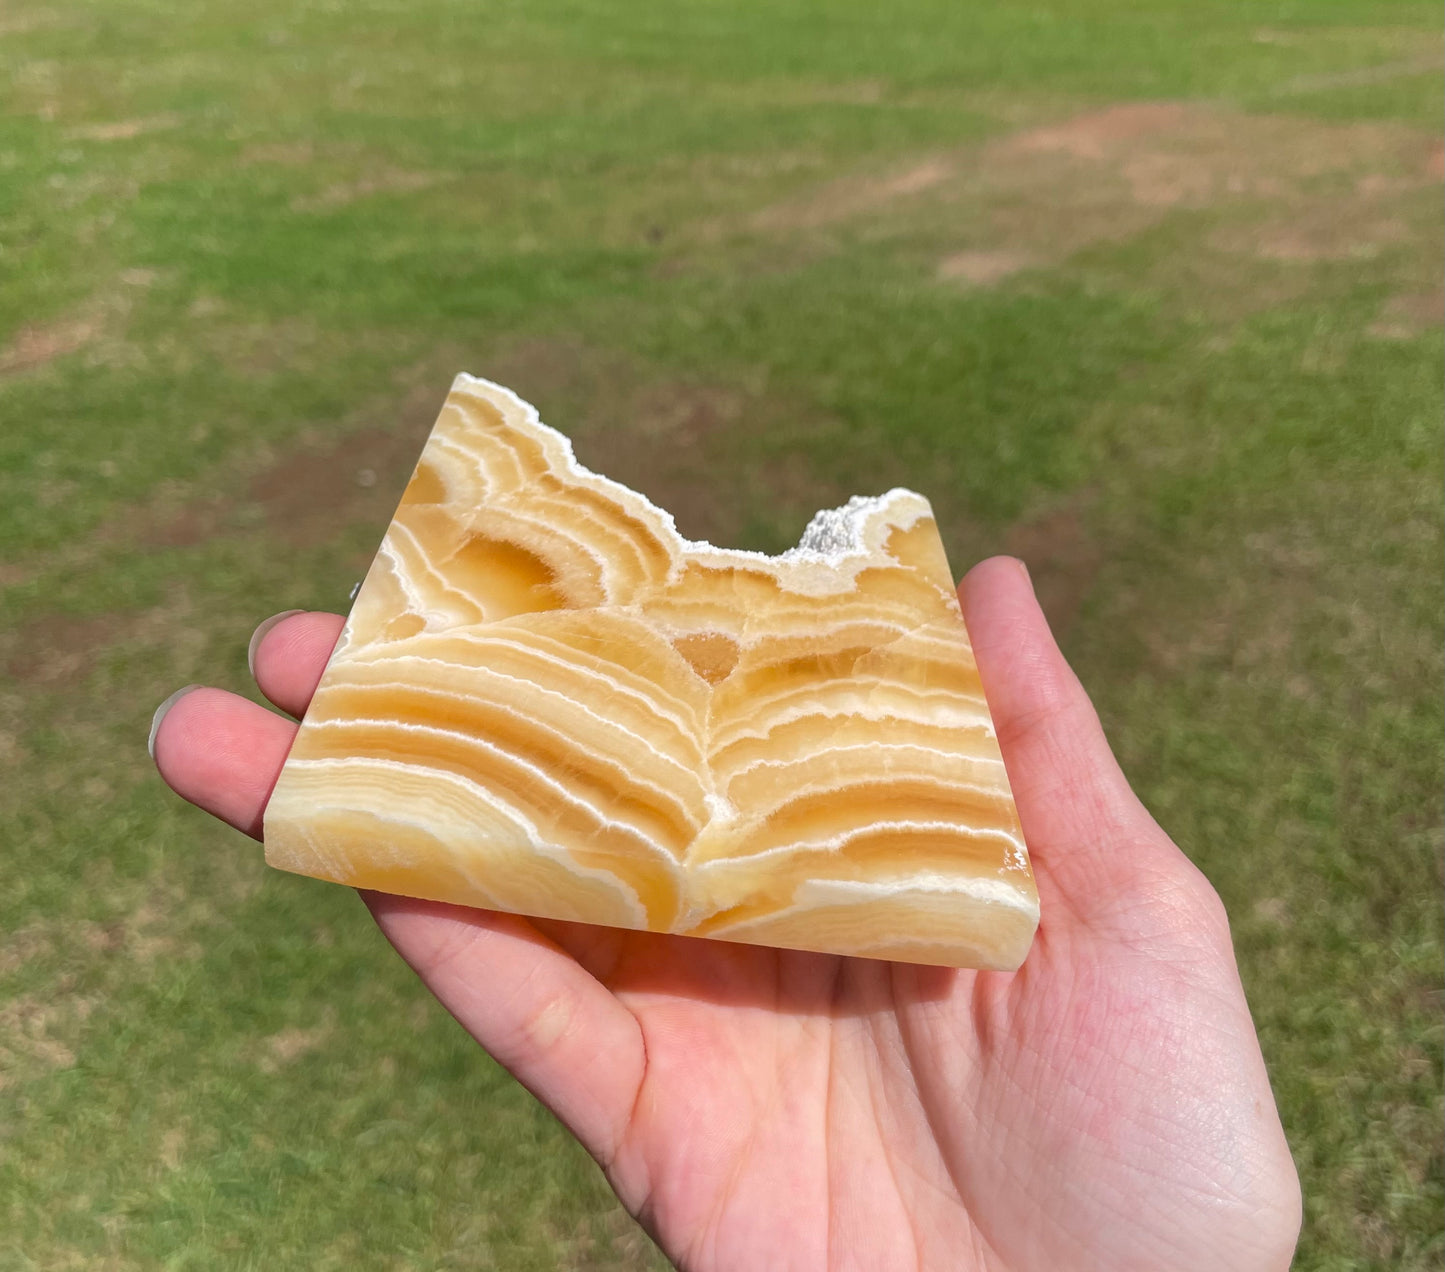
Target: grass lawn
[[1149, 293]]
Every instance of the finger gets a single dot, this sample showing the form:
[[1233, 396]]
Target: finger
[[223, 753], [536, 1011], [1077, 809], [288, 654]]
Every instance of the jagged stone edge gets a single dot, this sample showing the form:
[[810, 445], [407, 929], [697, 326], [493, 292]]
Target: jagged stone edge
[[836, 538]]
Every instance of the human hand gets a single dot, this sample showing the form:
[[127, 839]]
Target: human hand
[[1106, 1106]]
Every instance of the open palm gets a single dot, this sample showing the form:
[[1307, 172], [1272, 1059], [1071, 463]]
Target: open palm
[[1104, 1107]]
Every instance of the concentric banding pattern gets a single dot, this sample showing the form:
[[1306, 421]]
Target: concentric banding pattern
[[547, 701]]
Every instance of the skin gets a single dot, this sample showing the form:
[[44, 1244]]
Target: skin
[[1105, 1107]]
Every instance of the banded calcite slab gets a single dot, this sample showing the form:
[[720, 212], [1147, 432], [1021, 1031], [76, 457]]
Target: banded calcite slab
[[548, 701]]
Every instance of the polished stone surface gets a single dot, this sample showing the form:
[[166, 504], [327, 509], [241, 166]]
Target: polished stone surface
[[547, 701]]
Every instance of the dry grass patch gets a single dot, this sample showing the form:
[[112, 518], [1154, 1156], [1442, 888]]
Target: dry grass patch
[[173, 1147], [1361, 76], [381, 181], [289, 1045], [120, 129], [39, 1035], [1112, 173], [1063, 554], [34, 346], [983, 267], [1334, 233], [855, 196], [286, 154], [24, 944]]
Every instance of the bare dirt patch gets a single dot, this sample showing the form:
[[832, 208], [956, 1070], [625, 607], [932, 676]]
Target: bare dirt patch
[[56, 647], [1098, 134], [651, 435], [37, 345], [94, 327], [193, 524], [983, 268], [676, 441], [924, 177], [1285, 189], [308, 494], [1138, 161], [1288, 188], [969, 170], [1063, 556], [1406, 316]]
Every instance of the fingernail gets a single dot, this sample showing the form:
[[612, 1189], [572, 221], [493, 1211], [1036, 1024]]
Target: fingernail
[[260, 634], [161, 715], [1024, 570]]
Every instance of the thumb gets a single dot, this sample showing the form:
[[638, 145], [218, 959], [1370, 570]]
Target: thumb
[[1090, 838]]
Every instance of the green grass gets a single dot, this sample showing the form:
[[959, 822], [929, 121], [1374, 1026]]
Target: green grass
[[1148, 292]]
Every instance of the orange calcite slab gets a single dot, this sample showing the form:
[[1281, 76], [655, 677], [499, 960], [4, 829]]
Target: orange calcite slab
[[549, 702]]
